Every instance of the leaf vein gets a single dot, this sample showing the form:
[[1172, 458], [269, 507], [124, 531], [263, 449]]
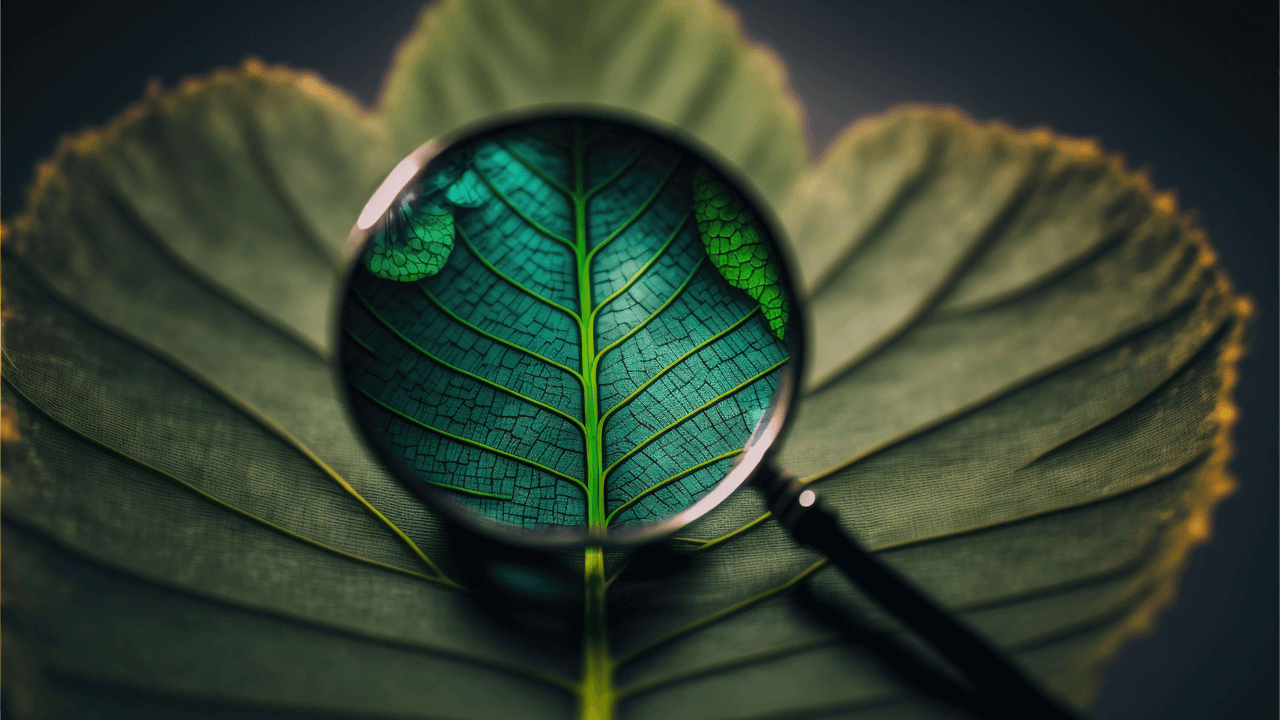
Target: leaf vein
[[240, 406], [533, 168], [677, 361], [466, 240], [643, 268], [473, 443], [622, 168], [717, 616], [691, 413], [658, 486], [296, 619], [644, 206], [482, 380], [439, 578], [639, 326], [490, 336], [520, 213]]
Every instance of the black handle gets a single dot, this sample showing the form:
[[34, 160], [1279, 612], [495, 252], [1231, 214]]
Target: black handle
[[1000, 687]]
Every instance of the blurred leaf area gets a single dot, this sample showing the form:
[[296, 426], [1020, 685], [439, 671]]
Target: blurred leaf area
[[1019, 386]]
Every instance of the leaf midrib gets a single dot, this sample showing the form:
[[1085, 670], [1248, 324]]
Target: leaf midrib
[[595, 418]]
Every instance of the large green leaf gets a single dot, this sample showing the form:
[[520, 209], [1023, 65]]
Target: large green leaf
[[586, 357], [1018, 396], [681, 63]]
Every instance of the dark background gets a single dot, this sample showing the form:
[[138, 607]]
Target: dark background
[[1188, 90]]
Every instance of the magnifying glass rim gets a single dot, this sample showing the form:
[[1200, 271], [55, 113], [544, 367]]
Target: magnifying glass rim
[[769, 429]]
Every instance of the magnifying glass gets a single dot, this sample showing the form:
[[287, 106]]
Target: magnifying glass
[[576, 330]]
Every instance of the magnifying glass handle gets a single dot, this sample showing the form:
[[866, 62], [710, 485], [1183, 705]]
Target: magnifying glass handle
[[997, 682]]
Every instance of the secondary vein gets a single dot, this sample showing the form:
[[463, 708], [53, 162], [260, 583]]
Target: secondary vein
[[640, 211], [473, 443], [639, 326], [631, 159], [677, 361], [245, 409], [640, 688], [533, 168], [437, 578], [469, 491], [691, 413], [738, 607], [708, 544], [466, 240], [1173, 313], [488, 335], [520, 213], [363, 635], [643, 268], [483, 380], [658, 486]]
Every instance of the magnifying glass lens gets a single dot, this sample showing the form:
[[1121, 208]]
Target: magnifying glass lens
[[568, 330], [579, 331]]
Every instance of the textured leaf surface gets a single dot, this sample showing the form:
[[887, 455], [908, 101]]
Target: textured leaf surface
[[417, 234], [186, 461], [681, 63], [1022, 356], [578, 362], [733, 243], [417, 247]]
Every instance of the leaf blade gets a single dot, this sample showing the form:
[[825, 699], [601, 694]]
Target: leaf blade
[[1128, 306], [632, 242], [685, 65]]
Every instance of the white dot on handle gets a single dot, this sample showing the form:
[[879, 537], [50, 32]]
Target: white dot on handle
[[807, 498]]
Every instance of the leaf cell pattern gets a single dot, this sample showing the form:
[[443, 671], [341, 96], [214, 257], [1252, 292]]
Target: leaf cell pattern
[[417, 235], [421, 246], [1020, 396], [734, 245], [579, 358]]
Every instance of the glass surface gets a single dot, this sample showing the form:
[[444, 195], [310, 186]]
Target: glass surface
[[568, 323]]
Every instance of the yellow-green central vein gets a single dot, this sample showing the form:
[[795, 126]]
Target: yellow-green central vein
[[595, 688]]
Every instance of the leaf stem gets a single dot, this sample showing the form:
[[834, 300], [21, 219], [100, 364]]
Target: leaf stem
[[587, 356], [596, 691], [597, 695]]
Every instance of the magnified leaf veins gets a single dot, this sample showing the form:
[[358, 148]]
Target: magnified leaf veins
[[576, 360], [417, 237], [728, 229], [1018, 390]]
